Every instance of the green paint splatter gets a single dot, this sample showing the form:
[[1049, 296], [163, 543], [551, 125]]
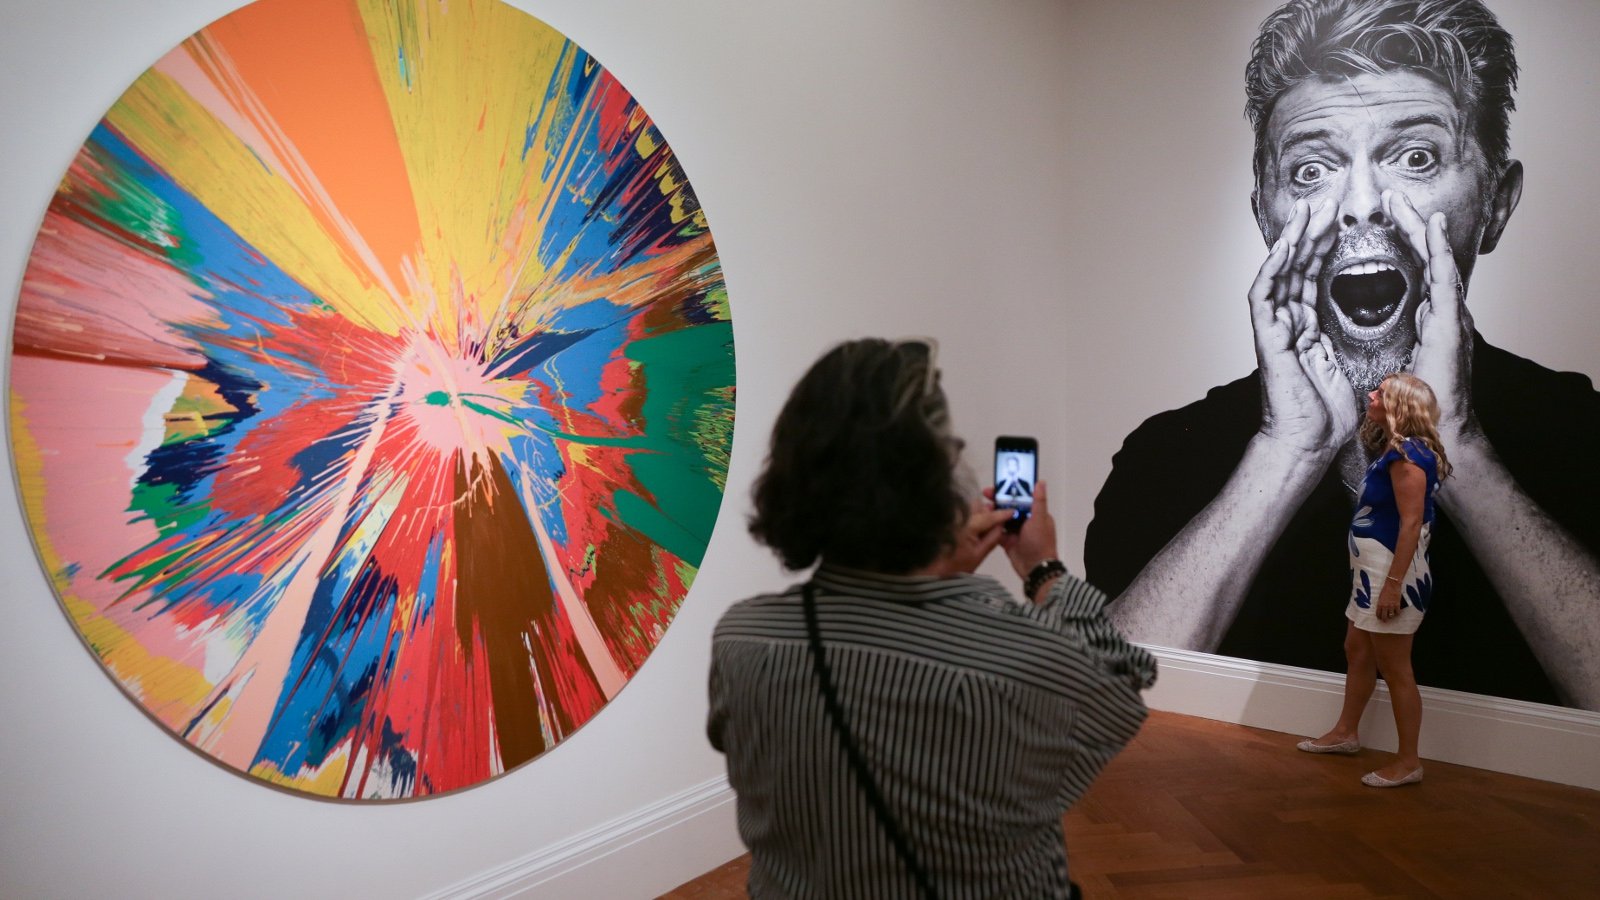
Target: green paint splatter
[[158, 503], [688, 423], [491, 413]]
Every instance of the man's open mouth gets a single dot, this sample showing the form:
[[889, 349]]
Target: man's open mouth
[[1367, 297]]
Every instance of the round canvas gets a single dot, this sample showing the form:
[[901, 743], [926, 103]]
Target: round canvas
[[372, 389]]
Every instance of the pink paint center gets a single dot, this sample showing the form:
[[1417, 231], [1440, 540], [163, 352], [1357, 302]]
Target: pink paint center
[[452, 402]]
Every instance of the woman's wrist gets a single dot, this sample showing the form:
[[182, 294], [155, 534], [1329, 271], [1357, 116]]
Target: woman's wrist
[[1040, 575], [1025, 562]]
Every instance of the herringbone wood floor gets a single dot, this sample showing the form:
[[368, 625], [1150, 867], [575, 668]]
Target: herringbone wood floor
[[1201, 809]]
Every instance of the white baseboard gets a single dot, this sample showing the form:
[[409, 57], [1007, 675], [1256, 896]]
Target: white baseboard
[[643, 854], [1551, 743]]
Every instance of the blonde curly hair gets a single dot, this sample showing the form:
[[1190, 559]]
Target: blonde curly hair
[[1410, 411]]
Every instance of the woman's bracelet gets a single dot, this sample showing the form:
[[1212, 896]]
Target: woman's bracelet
[[1041, 573], [1393, 579]]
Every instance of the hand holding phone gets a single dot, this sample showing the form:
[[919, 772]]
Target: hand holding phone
[[1016, 472]]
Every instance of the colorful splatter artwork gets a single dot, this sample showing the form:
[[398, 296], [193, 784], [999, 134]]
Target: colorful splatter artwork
[[372, 392]]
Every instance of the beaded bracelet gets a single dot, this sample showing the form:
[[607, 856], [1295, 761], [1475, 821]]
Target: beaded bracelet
[[1041, 573]]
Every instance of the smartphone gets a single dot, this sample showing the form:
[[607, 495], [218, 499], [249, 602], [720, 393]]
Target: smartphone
[[1016, 471]]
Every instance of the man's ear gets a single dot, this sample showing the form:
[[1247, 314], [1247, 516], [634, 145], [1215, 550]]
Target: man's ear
[[1507, 193]]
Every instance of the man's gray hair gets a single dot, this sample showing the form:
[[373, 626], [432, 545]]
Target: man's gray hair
[[1459, 43]]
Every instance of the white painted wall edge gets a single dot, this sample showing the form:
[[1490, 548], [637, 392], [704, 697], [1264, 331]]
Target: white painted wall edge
[[1551, 743], [669, 842], [642, 854]]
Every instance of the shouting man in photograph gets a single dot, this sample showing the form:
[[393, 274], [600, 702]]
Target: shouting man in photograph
[[1382, 172]]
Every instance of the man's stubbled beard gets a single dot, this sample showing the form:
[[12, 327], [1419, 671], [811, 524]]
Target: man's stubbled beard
[[1366, 368], [1366, 361]]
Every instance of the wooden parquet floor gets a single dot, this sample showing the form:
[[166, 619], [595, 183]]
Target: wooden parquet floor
[[1201, 809]]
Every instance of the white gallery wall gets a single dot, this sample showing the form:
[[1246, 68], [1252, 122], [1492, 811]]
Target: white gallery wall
[[1056, 190]]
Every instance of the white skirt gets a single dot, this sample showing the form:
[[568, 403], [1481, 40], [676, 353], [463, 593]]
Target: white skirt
[[1369, 567]]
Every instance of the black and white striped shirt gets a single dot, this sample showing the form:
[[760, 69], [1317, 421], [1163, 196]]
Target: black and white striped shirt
[[981, 717]]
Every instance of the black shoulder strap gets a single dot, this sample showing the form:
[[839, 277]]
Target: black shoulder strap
[[858, 763]]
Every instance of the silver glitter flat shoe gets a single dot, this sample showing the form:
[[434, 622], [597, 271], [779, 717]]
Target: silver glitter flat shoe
[[1373, 779], [1346, 747]]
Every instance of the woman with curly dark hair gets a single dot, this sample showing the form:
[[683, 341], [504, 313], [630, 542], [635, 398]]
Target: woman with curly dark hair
[[897, 725]]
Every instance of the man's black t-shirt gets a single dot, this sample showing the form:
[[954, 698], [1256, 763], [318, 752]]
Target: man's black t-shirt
[[1544, 425]]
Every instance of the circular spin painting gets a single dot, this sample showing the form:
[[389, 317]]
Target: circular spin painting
[[372, 392]]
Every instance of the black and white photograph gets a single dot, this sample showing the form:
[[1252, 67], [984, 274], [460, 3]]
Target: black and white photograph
[[1386, 176]]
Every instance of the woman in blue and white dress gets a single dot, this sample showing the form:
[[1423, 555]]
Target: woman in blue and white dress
[[1390, 581]]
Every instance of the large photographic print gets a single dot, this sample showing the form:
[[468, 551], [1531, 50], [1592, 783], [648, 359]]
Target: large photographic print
[[1384, 132]]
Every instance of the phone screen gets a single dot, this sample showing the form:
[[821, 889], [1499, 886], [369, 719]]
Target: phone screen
[[1016, 471]]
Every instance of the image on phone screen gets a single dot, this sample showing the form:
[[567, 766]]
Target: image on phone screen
[[1016, 464]]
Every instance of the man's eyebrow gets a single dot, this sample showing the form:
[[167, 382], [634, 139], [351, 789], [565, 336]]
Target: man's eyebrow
[[1309, 136], [1433, 119]]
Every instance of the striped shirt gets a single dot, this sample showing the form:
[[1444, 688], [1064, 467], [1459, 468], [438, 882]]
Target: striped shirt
[[982, 718]]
